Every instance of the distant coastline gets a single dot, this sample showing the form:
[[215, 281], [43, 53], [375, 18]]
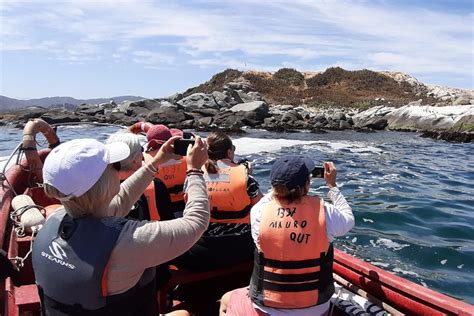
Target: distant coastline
[[12, 104]]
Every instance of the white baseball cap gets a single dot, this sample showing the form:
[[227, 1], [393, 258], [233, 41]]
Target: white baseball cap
[[75, 166]]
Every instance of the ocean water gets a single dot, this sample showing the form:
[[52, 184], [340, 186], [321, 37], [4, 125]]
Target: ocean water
[[412, 197]]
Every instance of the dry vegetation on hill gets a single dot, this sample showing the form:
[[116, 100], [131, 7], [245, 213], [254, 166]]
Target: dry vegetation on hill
[[335, 86]]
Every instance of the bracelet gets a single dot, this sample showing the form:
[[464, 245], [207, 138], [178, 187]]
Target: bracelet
[[194, 171], [28, 148], [152, 168], [51, 146]]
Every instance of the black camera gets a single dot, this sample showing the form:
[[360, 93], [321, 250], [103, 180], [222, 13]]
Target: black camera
[[318, 172], [181, 146]]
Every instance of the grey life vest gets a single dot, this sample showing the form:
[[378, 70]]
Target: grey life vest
[[70, 256]]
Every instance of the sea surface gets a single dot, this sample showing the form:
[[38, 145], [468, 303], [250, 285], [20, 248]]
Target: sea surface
[[413, 198]]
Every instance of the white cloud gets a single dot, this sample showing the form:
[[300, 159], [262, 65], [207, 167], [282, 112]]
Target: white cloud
[[266, 34], [153, 60]]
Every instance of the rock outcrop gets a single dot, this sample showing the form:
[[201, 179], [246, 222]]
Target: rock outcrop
[[289, 100]]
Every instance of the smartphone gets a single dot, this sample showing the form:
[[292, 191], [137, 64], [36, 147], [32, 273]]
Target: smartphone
[[318, 172], [181, 146], [188, 135]]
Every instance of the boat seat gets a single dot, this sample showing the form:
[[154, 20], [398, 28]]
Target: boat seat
[[27, 297], [182, 276]]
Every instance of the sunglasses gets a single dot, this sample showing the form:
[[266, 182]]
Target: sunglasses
[[233, 147]]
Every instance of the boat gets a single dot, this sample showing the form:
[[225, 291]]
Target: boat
[[355, 280]]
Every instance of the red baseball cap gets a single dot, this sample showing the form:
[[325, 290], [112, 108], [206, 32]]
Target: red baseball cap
[[157, 135], [176, 132]]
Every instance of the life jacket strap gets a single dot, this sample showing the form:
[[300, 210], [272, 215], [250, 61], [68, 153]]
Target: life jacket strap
[[298, 264], [220, 214], [301, 277], [176, 189], [291, 287]]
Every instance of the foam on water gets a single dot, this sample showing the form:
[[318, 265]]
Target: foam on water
[[380, 264], [388, 243], [247, 145], [405, 272]]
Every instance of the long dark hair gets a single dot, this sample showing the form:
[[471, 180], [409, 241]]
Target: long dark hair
[[218, 144]]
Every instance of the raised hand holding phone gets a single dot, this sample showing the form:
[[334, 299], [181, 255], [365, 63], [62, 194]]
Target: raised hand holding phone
[[196, 154], [181, 146], [330, 173]]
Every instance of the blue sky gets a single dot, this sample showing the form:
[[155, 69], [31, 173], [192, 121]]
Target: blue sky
[[88, 49]]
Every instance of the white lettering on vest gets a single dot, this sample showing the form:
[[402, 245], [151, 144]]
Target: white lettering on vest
[[58, 261]]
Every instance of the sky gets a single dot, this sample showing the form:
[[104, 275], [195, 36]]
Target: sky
[[88, 49]]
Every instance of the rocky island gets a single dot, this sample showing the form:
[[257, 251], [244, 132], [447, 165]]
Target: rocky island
[[289, 100]]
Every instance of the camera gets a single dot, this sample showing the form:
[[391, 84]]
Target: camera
[[318, 172], [181, 146]]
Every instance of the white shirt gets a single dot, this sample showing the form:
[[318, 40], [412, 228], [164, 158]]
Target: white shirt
[[339, 221]]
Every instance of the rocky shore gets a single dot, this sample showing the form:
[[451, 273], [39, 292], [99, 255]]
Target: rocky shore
[[234, 100]]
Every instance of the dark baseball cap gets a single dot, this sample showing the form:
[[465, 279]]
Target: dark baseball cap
[[291, 171]]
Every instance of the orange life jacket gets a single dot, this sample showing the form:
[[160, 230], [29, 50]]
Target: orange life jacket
[[151, 200], [293, 260], [173, 175], [227, 192]]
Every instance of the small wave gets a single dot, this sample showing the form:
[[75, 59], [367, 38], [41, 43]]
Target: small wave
[[388, 243], [405, 272], [248, 145], [380, 264], [355, 147]]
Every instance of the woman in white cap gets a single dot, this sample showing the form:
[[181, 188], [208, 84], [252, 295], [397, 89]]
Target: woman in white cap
[[88, 259], [293, 233]]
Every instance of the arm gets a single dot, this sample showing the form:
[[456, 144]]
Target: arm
[[130, 191], [146, 244], [132, 188], [253, 190], [158, 242], [256, 215], [339, 217]]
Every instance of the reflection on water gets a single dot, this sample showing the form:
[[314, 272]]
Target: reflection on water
[[412, 197]]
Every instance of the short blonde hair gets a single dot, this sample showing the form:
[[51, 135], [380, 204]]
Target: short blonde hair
[[91, 203], [133, 142]]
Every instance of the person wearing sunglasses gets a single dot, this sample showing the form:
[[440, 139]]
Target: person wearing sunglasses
[[89, 259], [232, 192]]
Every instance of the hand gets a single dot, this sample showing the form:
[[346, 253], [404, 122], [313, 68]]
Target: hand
[[135, 129], [196, 155], [165, 152], [247, 163], [330, 173]]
